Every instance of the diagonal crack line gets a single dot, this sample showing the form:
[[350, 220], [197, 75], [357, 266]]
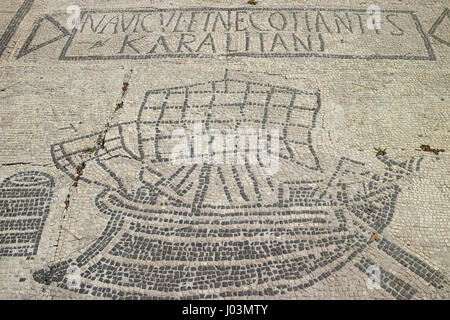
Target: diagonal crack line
[[80, 168], [119, 105]]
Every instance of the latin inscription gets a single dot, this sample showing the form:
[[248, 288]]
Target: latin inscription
[[208, 33]]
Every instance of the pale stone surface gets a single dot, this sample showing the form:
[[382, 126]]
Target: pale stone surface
[[222, 231]]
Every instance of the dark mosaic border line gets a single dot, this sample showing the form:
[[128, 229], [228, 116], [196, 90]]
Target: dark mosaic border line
[[430, 57], [245, 9], [14, 24]]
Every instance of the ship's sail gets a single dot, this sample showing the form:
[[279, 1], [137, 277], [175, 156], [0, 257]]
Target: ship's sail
[[252, 133]]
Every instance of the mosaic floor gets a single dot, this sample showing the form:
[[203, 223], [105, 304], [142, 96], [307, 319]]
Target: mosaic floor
[[224, 150]]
